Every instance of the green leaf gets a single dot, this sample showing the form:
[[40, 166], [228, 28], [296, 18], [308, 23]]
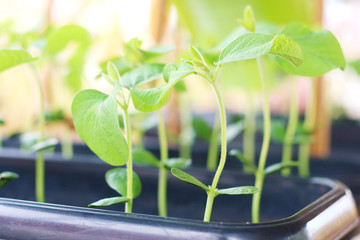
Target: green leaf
[[156, 52], [236, 153], [113, 72], [63, 36], [167, 71], [12, 58], [355, 65], [121, 64], [143, 156], [278, 131], [279, 166], [54, 116], [96, 121], [234, 129], [242, 190], [109, 201], [249, 20], [117, 179], [178, 163], [188, 178], [321, 50], [254, 45], [141, 75], [41, 146], [148, 100], [7, 177], [202, 129]]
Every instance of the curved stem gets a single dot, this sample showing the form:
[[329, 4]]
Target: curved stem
[[163, 171], [249, 131], [129, 165], [291, 128], [40, 165], [309, 125], [260, 175], [212, 191]]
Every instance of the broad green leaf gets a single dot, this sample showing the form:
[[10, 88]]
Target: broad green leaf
[[249, 20], [322, 52], [141, 75], [63, 36], [274, 168], [96, 121], [236, 153], [7, 177], [12, 58], [113, 72], [41, 146], [188, 178], [202, 129], [109, 201], [143, 156], [254, 45], [117, 179], [178, 163], [242, 190], [148, 100]]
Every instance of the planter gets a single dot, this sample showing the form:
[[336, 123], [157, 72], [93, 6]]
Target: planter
[[291, 208]]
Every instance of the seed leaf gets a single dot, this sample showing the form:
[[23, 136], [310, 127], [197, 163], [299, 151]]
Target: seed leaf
[[108, 201], [63, 36], [96, 121], [143, 156], [7, 177], [188, 178], [116, 178], [141, 75], [178, 163], [148, 100], [11, 58], [254, 45], [274, 168], [236, 153], [41, 146], [321, 50], [242, 190]]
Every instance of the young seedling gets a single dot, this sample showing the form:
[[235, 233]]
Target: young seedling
[[9, 59], [203, 70], [7, 177], [253, 46], [320, 49]]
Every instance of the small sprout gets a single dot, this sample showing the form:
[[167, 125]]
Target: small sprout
[[109, 201], [277, 167], [7, 177], [41, 146]]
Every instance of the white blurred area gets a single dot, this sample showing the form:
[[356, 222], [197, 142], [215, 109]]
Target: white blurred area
[[341, 17]]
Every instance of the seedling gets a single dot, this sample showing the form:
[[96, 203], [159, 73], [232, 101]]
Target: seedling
[[7, 177], [9, 59]]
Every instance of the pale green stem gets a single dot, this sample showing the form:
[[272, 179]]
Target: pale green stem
[[40, 165], [260, 175], [186, 135], [163, 171], [129, 165], [211, 162], [67, 147], [309, 124], [249, 131], [212, 191], [291, 128]]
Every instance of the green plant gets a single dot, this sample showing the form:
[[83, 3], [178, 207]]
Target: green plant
[[12, 58], [7, 177]]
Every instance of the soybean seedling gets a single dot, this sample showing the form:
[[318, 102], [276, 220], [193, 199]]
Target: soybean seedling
[[9, 59], [320, 49], [201, 69]]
